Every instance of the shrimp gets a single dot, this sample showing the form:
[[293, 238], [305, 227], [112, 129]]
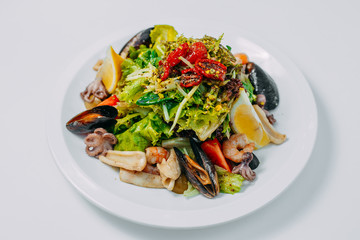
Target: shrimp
[[156, 154], [233, 144]]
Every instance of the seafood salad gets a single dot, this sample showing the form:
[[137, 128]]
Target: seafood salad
[[180, 113]]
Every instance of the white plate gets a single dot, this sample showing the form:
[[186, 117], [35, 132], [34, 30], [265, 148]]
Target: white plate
[[280, 165]]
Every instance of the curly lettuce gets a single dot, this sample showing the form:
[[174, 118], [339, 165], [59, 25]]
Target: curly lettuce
[[135, 83], [203, 122]]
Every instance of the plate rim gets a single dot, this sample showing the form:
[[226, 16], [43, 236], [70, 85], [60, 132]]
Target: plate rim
[[88, 189]]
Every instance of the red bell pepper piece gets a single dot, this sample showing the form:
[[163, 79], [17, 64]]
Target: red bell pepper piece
[[111, 101], [212, 149]]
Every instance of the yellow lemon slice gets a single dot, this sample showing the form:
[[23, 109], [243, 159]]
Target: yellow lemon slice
[[110, 70], [245, 120]]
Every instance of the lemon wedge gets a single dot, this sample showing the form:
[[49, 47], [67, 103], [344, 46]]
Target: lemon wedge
[[244, 119], [110, 70]]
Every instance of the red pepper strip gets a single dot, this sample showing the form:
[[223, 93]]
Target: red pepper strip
[[173, 58], [190, 77], [111, 101], [196, 51], [211, 69], [212, 149]]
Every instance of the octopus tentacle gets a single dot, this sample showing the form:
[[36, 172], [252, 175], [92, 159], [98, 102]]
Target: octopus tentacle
[[110, 138], [94, 151], [92, 140], [94, 89], [100, 131], [244, 170], [99, 142]]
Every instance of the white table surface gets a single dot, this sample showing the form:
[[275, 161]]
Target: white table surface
[[38, 40]]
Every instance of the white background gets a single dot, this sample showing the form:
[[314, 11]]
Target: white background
[[38, 40]]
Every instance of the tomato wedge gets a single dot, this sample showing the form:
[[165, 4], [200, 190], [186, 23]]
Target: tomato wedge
[[212, 149]]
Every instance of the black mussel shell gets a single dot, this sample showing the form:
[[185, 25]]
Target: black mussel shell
[[205, 162], [88, 121], [141, 38], [264, 84], [190, 175], [208, 190], [254, 163]]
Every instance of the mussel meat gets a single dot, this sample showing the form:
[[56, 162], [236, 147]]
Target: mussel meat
[[201, 172], [88, 121], [141, 38], [263, 84]]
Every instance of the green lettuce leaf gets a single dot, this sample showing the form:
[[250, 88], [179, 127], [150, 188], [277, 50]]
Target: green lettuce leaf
[[248, 87], [159, 35], [143, 56], [139, 59], [128, 141], [135, 84], [229, 182], [128, 66], [132, 90], [204, 123], [190, 191], [226, 126], [125, 123], [147, 132]]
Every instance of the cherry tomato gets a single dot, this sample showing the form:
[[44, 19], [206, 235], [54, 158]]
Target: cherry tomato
[[211, 69], [173, 58], [196, 51], [190, 77]]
